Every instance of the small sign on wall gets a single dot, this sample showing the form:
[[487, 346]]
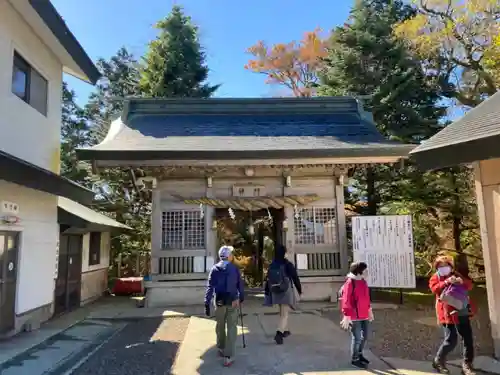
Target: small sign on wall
[[199, 264], [249, 191], [7, 207], [210, 263], [302, 262], [57, 260]]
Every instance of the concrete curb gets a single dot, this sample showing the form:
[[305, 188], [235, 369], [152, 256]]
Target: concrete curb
[[36, 343], [67, 361], [75, 360]]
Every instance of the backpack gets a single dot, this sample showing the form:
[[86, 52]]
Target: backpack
[[222, 296], [277, 279]]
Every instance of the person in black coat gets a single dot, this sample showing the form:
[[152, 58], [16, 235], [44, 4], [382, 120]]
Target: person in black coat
[[281, 282]]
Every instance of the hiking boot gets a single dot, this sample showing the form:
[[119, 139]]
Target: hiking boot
[[228, 361], [359, 364], [467, 369], [363, 359], [278, 338], [440, 367], [286, 334]]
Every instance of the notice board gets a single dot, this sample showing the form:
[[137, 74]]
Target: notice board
[[385, 244]]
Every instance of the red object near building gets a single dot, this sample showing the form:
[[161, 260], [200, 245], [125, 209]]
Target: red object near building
[[127, 286]]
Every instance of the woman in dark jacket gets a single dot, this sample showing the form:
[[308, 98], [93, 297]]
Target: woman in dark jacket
[[286, 299]]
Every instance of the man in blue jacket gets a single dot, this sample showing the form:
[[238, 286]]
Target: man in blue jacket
[[224, 281]]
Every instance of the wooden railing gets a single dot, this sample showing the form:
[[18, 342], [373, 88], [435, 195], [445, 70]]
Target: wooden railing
[[176, 265], [322, 264], [180, 267], [324, 261]]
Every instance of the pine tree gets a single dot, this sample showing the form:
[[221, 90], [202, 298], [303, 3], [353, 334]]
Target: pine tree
[[120, 80], [74, 134], [365, 60], [174, 65]]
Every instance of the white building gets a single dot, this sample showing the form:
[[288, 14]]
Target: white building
[[36, 47]]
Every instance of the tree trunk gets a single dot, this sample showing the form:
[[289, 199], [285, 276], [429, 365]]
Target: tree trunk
[[370, 190]]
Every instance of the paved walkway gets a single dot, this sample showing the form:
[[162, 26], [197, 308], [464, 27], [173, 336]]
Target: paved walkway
[[61, 351], [316, 346]]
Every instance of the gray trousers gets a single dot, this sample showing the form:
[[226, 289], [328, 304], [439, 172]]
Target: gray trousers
[[226, 328]]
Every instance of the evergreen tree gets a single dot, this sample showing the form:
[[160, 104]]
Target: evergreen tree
[[74, 134], [365, 60], [118, 199], [120, 80], [174, 65]]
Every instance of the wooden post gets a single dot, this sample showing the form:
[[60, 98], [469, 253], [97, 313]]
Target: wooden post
[[119, 266], [155, 230], [210, 234], [138, 265], [342, 228], [487, 183]]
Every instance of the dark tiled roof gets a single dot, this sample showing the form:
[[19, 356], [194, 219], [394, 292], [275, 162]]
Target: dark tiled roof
[[330, 126], [473, 137]]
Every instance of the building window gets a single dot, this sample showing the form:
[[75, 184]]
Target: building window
[[183, 230], [315, 226], [29, 85], [95, 248]]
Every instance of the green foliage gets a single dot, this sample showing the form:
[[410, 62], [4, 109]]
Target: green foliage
[[366, 61], [120, 80], [120, 76], [174, 65], [74, 134]]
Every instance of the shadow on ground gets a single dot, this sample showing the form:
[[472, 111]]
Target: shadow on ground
[[147, 346]]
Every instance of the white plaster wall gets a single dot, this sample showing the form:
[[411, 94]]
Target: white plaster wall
[[39, 233], [25, 132], [105, 249]]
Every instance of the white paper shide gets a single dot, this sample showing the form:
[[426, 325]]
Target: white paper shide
[[385, 244]]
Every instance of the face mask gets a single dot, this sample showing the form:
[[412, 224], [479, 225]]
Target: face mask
[[364, 275], [444, 271]]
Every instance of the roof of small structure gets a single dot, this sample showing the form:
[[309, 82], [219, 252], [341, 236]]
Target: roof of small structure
[[473, 137], [88, 214], [243, 128], [24, 173]]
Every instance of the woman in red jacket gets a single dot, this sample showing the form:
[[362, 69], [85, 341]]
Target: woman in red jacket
[[453, 322], [357, 311]]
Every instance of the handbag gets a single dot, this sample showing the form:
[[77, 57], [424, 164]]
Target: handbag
[[456, 296]]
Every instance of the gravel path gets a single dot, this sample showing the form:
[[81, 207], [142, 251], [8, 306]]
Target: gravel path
[[145, 347], [412, 333]]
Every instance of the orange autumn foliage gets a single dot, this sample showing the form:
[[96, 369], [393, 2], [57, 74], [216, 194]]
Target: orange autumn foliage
[[294, 65]]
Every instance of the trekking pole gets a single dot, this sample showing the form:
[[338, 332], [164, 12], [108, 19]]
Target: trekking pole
[[242, 328]]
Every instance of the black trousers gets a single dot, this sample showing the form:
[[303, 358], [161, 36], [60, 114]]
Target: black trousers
[[451, 332]]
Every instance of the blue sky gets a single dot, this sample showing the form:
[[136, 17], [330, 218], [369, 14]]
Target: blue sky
[[227, 29]]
